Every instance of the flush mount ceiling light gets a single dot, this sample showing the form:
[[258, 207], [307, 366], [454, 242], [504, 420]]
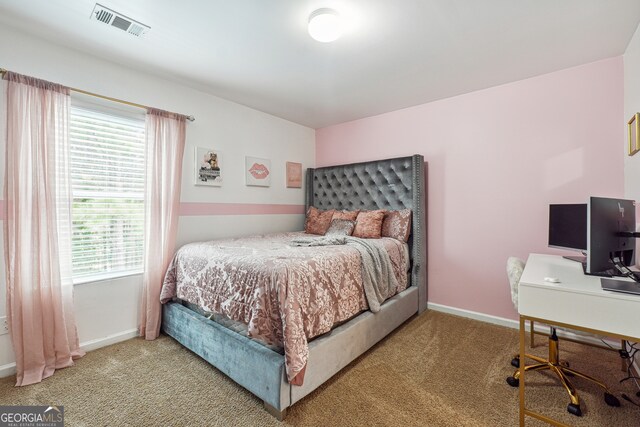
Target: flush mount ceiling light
[[325, 25]]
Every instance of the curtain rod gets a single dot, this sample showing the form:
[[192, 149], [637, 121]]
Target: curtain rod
[[108, 98]]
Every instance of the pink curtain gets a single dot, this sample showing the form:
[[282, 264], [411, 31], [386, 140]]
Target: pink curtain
[[166, 134], [37, 229]]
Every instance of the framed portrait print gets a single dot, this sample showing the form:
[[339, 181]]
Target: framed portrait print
[[208, 167]]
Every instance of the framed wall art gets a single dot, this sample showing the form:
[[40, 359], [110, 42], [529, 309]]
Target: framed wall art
[[294, 175], [634, 134], [257, 171], [208, 167]]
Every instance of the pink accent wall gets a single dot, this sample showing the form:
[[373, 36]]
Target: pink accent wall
[[496, 159], [191, 208]]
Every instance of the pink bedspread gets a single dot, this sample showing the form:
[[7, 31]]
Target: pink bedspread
[[285, 294]]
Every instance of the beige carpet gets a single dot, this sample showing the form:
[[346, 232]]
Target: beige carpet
[[436, 370]]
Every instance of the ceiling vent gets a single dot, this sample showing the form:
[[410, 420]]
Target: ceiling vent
[[118, 20]]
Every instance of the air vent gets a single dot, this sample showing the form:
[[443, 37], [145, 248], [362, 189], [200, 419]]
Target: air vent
[[118, 20]]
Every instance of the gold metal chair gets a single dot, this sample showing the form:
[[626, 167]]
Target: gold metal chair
[[553, 362]]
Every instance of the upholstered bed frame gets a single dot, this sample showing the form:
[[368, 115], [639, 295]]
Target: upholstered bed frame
[[384, 184]]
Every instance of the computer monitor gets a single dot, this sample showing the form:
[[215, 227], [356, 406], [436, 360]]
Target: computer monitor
[[568, 226], [608, 220]]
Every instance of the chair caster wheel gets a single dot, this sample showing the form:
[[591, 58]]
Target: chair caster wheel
[[574, 410], [513, 382], [515, 362], [611, 400]]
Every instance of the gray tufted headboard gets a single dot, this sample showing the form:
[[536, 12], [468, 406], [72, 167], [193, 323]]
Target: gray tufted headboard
[[382, 184]]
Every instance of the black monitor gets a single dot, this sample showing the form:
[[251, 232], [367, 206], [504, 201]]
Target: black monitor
[[568, 226], [611, 225]]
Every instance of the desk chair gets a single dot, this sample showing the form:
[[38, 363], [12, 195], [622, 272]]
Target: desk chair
[[515, 267]]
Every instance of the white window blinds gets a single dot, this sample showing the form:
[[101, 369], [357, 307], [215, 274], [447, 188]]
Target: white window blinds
[[107, 177]]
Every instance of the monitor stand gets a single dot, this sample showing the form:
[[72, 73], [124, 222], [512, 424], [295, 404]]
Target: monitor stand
[[578, 258]]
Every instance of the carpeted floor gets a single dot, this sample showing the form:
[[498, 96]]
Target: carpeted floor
[[436, 370]]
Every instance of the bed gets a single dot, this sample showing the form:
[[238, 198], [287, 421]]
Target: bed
[[391, 184]]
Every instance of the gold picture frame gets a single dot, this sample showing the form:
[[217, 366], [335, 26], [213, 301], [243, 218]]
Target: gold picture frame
[[634, 134]]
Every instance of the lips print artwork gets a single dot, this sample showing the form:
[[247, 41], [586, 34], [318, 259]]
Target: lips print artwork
[[259, 171]]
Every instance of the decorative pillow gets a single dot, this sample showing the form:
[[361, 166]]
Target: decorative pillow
[[317, 221], [348, 215], [397, 224], [369, 224], [340, 227]]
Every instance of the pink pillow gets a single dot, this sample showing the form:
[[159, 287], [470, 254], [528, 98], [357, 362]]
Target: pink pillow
[[369, 224], [317, 221], [348, 215], [397, 224]]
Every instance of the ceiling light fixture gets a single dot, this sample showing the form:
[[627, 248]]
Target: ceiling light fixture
[[325, 25]]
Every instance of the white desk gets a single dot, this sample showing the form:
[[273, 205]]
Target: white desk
[[577, 302]]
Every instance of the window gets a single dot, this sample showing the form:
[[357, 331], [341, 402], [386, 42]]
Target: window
[[107, 178]]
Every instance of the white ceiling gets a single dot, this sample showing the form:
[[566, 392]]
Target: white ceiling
[[395, 53]]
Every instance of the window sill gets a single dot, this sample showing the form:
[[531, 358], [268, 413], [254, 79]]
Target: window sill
[[105, 277]]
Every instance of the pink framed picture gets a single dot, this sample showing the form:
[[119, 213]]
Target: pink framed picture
[[294, 175]]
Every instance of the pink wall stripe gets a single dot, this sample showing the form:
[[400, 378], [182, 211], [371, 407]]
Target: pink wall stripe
[[193, 209]]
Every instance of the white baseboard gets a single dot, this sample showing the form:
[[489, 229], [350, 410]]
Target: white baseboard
[[7, 370], [514, 324], [10, 368], [108, 340], [487, 318]]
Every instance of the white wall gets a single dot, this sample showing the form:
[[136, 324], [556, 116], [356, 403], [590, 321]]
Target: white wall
[[632, 106], [108, 311], [631, 60]]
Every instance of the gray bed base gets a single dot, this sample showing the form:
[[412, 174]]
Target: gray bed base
[[385, 184]]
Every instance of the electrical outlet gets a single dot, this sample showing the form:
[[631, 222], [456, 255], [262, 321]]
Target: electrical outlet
[[4, 326]]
